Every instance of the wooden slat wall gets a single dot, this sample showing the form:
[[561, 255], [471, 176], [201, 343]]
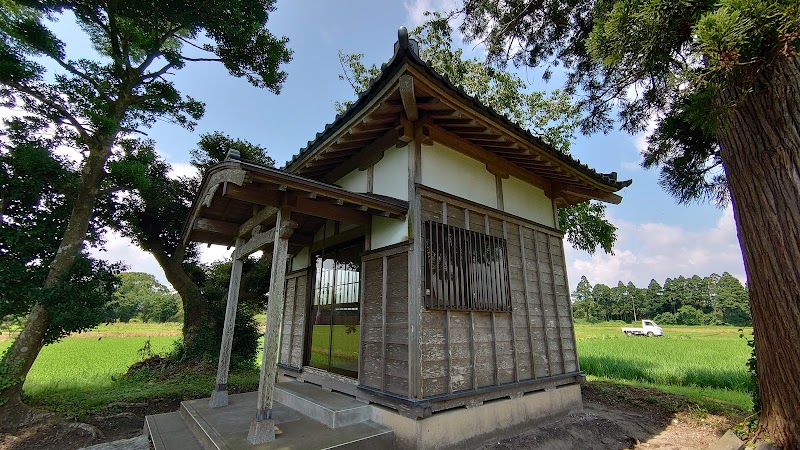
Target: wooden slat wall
[[384, 320], [469, 350], [294, 314]]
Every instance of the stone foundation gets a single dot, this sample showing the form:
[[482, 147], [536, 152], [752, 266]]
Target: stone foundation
[[472, 427]]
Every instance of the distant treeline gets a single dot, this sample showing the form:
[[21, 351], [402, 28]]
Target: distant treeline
[[713, 300]]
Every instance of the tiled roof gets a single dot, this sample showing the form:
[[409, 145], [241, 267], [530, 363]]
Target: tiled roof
[[407, 49]]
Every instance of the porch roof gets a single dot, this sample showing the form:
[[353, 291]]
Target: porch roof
[[237, 197]]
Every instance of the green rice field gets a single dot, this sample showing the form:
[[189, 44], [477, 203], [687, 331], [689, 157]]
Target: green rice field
[[705, 364]]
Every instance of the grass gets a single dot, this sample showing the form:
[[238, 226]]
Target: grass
[[83, 373], [705, 364]]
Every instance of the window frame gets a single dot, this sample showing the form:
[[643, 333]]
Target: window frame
[[473, 279]]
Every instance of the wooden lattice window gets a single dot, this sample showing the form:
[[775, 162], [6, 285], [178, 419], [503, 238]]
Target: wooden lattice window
[[465, 270]]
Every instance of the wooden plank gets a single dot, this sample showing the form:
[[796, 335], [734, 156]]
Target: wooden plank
[[555, 305], [216, 226], [384, 280], [513, 329], [542, 303]]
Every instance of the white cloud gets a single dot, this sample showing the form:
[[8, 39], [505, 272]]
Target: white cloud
[[658, 251], [120, 248], [182, 170], [631, 165], [416, 9]]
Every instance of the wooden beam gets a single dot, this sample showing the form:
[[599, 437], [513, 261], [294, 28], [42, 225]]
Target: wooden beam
[[408, 97], [216, 226], [365, 157], [331, 211], [251, 194], [558, 190], [256, 243], [259, 218], [456, 143]]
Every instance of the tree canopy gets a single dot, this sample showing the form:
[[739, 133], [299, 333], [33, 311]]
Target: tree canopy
[[94, 106], [713, 300]]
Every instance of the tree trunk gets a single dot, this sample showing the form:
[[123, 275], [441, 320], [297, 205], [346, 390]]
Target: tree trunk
[[195, 306], [19, 358], [760, 141]]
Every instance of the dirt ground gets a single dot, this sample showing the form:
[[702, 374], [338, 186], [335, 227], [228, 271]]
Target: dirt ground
[[613, 418]]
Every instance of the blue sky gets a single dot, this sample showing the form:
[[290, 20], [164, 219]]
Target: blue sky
[[657, 237]]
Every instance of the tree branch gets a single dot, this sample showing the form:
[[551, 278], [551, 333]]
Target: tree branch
[[60, 109], [157, 51], [157, 73], [188, 42], [186, 58]]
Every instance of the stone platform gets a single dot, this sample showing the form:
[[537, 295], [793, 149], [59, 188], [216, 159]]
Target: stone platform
[[310, 418]]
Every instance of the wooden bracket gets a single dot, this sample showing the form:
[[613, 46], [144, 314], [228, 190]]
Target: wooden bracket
[[408, 97]]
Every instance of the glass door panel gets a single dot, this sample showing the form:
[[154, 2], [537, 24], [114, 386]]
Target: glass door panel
[[335, 310]]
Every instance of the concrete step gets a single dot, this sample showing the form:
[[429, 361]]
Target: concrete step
[[330, 408], [169, 431], [226, 428]]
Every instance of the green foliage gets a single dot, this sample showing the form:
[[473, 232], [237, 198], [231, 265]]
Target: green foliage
[[666, 318], [141, 296], [213, 147], [688, 315], [552, 116], [92, 107], [35, 187], [214, 281], [586, 226], [752, 368]]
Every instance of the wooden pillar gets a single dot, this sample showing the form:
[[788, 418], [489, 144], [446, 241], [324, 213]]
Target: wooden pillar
[[219, 397], [262, 429]]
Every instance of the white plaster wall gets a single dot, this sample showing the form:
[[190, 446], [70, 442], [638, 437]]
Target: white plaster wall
[[390, 175], [355, 181], [386, 231], [457, 174], [527, 201], [301, 260]]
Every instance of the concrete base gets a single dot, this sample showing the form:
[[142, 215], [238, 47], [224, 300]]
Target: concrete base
[[261, 431], [330, 408], [476, 426], [218, 399]]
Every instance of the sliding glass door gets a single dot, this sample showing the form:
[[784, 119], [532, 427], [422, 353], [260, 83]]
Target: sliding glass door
[[335, 310]]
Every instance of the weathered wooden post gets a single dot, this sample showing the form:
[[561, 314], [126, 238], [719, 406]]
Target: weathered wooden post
[[219, 397], [262, 429]]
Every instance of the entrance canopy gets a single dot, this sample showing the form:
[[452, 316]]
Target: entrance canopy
[[237, 197]]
